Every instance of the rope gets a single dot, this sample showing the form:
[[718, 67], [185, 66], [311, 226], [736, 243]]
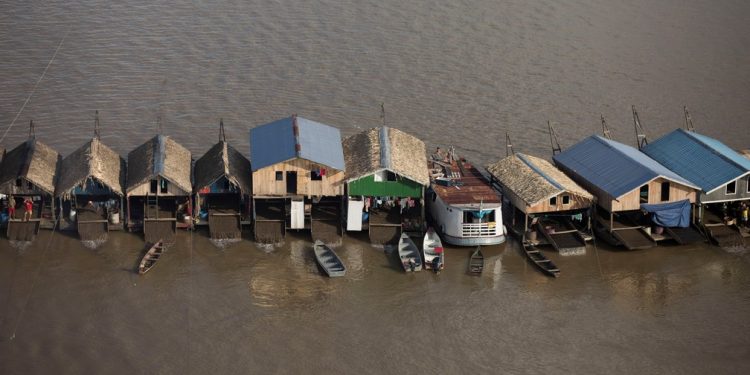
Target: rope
[[35, 85], [34, 281]]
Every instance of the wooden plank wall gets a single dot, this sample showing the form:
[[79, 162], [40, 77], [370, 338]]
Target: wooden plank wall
[[631, 200], [576, 203], [145, 189], [265, 184]]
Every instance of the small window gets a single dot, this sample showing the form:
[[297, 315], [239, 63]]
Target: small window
[[279, 176], [643, 193], [566, 200], [390, 176], [164, 186], [747, 184], [732, 188], [553, 201], [29, 185], [434, 197], [379, 176], [19, 182], [316, 175], [154, 185], [665, 191]]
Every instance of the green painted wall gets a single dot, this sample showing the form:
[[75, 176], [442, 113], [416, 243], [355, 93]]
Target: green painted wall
[[403, 187]]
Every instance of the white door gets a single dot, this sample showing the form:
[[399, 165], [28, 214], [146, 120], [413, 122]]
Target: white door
[[354, 215], [298, 214]]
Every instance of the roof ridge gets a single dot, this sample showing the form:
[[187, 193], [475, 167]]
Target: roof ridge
[[538, 171], [385, 148]]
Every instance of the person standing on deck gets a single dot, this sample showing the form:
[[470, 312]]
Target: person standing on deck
[[11, 208], [28, 206], [743, 214]]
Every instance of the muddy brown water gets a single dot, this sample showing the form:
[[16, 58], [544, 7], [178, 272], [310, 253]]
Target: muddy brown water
[[451, 72]]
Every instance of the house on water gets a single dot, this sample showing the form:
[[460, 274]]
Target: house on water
[[540, 200], [222, 190], [722, 174], [28, 175], [158, 189], [298, 179], [386, 178], [627, 183], [90, 191]]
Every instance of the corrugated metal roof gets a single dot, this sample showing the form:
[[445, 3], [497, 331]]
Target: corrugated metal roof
[[612, 166], [704, 161], [277, 142]]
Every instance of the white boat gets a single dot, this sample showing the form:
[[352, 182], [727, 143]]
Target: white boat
[[328, 260], [408, 254], [433, 250]]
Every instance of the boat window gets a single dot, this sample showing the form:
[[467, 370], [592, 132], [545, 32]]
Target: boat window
[[477, 217], [279, 176], [553, 201], [644, 193], [390, 176], [154, 185], [164, 186], [665, 191], [566, 200], [732, 187]]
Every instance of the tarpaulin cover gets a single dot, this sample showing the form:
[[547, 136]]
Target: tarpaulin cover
[[675, 214]]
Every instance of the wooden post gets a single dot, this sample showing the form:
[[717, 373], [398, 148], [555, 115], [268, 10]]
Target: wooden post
[[611, 221]]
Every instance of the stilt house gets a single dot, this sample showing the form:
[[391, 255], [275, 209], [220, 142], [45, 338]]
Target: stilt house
[[159, 188], [626, 183], [90, 190], [29, 171], [389, 166], [722, 174], [222, 190], [298, 179], [543, 200]]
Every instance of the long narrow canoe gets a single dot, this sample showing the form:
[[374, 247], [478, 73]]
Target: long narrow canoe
[[433, 250], [476, 262], [408, 254], [328, 260], [152, 255], [544, 264]]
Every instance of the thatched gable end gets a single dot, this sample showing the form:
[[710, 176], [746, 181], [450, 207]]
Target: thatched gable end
[[160, 156], [223, 160], [33, 161], [93, 160], [384, 148]]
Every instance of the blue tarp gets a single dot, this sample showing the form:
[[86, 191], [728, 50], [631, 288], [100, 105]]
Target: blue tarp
[[675, 214]]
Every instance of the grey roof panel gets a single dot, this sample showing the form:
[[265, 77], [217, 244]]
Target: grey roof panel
[[272, 143], [277, 142], [320, 143]]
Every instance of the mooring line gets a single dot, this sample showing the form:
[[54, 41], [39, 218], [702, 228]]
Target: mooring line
[[28, 98]]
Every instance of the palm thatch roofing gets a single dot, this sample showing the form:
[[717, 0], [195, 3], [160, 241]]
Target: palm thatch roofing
[[93, 160], [159, 156], [534, 180], [223, 160], [31, 160], [385, 148]]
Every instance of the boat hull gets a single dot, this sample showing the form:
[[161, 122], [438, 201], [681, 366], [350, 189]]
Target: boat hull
[[474, 241]]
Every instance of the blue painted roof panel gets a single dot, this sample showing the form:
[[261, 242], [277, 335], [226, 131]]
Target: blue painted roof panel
[[275, 142], [272, 143]]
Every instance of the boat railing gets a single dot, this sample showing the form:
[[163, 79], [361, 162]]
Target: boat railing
[[479, 229]]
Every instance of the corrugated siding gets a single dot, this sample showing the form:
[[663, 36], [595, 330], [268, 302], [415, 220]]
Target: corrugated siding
[[368, 187]]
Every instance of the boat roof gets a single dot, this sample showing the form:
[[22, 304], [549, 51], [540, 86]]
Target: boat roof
[[703, 160], [470, 188], [614, 167]]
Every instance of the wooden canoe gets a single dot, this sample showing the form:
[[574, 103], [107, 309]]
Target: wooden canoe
[[433, 250], [544, 264], [408, 253], [152, 255], [328, 260], [476, 261]]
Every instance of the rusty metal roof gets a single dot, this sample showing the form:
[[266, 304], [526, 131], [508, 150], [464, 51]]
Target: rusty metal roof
[[470, 186]]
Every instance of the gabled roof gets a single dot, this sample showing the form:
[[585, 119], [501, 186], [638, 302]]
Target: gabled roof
[[384, 148], [704, 161], [92, 160], [160, 156], [223, 160], [34, 161], [296, 137], [612, 166], [533, 179]]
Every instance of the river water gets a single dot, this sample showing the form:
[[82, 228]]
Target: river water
[[451, 72]]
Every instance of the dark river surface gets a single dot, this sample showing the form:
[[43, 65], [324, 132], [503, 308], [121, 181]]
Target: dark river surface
[[450, 72]]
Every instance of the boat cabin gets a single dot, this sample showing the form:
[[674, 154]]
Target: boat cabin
[[387, 175], [158, 189], [639, 201], [722, 174], [28, 175], [222, 191], [463, 206], [90, 191], [298, 179], [541, 199]]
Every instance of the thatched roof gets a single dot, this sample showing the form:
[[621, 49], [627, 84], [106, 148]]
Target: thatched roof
[[32, 160], [223, 160], [385, 148], [159, 156], [92, 160], [533, 179]]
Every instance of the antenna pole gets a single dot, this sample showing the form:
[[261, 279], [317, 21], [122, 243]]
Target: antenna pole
[[688, 120], [508, 146], [32, 132], [553, 139], [605, 129], [382, 113], [222, 135], [158, 124], [96, 125], [640, 135]]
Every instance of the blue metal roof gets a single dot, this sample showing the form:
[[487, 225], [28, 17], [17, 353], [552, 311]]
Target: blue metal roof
[[705, 161], [277, 142], [612, 166]]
